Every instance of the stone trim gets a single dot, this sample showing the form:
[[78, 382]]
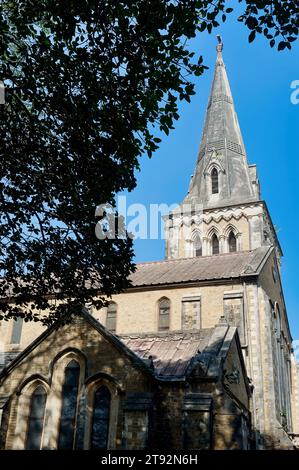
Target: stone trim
[[198, 402], [191, 298], [233, 295]]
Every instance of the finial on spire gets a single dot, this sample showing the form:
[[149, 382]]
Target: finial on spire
[[219, 47]]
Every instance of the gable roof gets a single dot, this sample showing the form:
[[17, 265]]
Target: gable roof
[[202, 268]]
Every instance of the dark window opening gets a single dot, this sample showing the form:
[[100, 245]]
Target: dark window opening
[[197, 246], [36, 419], [232, 243], [100, 418], [215, 245], [69, 406], [111, 317], [164, 314], [215, 181]]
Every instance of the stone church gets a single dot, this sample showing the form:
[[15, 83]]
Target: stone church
[[196, 354]]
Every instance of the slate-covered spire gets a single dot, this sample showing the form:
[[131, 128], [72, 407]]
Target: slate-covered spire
[[222, 148]]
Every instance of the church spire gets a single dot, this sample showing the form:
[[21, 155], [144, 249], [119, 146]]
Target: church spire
[[222, 153], [223, 212]]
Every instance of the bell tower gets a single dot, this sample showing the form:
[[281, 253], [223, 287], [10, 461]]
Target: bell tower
[[223, 211]]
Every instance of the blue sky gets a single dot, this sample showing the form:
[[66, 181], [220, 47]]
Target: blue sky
[[260, 79]]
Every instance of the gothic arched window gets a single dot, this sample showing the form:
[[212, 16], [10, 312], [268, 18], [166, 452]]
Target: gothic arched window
[[232, 242], [164, 314], [100, 418], [215, 245], [111, 317], [69, 406], [36, 418], [215, 181], [197, 245]]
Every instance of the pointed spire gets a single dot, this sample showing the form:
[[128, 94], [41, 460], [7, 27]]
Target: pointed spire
[[222, 148]]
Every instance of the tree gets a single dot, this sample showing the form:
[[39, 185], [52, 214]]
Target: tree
[[88, 82]]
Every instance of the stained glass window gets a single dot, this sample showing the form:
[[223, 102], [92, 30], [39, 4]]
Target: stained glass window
[[100, 418]]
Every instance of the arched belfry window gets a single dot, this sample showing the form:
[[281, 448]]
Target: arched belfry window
[[69, 406], [197, 245], [164, 314], [215, 181], [215, 244], [232, 242], [36, 419], [111, 317], [100, 418]]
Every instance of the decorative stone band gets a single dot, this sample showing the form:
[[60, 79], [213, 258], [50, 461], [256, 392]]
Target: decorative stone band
[[220, 144], [220, 97]]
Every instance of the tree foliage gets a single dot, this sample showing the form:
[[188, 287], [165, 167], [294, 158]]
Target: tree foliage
[[88, 83]]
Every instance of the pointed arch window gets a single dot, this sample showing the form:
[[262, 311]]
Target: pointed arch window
[[215, 181], [232, 242], [215, 245], [164, 314], [69, 406], [111, 317], [197, 245], [100, 418], [36, 418]]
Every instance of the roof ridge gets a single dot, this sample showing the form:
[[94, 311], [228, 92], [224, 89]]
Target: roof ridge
[[165, 335], [236, 253]]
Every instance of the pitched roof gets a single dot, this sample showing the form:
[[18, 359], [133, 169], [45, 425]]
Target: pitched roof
[[170, 353], [177, 355], [204, 268]]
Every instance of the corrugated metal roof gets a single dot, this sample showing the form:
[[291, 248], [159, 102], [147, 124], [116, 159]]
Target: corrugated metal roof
[[171, 353], [224, 266]]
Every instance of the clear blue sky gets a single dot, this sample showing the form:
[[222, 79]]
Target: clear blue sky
[[260, 79]]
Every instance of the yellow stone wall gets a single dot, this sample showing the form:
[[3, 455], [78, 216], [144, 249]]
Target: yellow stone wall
[[138, 311], [46, 364]]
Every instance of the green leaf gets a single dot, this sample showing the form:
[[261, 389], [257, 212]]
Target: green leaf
[[251, 36], [282, 45]]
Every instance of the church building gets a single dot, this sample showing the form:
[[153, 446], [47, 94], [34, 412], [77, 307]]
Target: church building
[[196, 354]]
